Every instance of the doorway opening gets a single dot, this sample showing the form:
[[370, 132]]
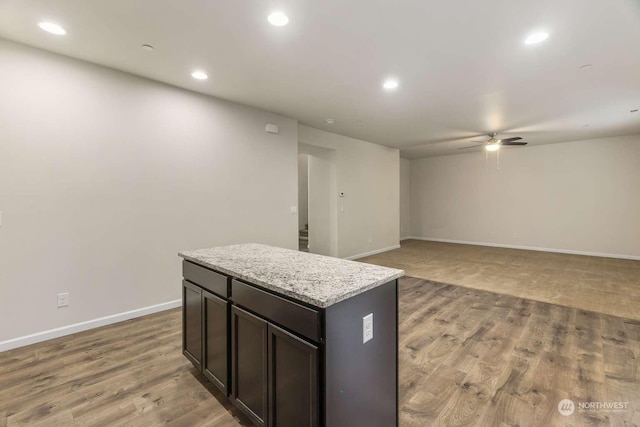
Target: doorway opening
[[317, 200], [303, 202]]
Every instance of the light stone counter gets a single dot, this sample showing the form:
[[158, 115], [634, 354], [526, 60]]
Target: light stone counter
[[314, 279]]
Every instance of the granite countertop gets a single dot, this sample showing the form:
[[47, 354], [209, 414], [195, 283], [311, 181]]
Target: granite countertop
[[314, 279]]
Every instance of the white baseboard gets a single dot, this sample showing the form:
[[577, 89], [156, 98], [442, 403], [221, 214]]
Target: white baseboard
[[529, 248], [83, 326], [377, 251], [406, 238]]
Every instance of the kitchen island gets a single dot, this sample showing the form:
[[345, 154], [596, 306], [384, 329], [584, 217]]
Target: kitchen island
[[292, 338]]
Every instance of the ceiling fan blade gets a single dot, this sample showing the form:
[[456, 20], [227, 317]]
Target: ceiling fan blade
[[513, 143], [471, 146], [515, 138]]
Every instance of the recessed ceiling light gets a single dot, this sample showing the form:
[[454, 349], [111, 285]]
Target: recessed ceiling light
[[390, 84], [147, 48], [585, 66], [330, 121], [52, 28], [199, 75], [278, 19], [536, 38]]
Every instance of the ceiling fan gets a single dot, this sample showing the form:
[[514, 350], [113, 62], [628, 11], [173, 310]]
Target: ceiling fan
[[493, 143]]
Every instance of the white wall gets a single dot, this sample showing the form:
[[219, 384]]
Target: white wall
[[579, 196], [303, 190], [405, 198], [104, 177], [368, 217]]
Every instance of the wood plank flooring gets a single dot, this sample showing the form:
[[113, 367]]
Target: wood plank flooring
[[129, 374], [603, 285], [470, 357], [467, 358]]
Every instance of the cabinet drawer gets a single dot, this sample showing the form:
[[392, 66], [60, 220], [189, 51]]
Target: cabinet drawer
[[208, 279], [295, 317]]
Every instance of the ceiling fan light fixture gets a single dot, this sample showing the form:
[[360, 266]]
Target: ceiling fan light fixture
[[536, 38], [390, 84], [278, 19], [199, 75], [52, 28], [492, 147]]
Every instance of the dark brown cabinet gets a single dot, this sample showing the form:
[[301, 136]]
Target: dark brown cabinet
[[249, 364], [192, 323], [216, 340], [205, 337], [274, 373], [285, 363], [293, 380]]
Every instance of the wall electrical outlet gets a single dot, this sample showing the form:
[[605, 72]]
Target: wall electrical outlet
[[63, 299], [367, 328]]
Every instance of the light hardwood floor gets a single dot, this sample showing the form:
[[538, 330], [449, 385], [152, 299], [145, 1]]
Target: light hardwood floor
[[467, 357], [475, 358], [603, 285], [128, 374]]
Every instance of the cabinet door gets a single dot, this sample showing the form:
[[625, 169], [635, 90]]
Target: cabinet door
[[249, 365], [216, 361], [293, 380], [192, 323]]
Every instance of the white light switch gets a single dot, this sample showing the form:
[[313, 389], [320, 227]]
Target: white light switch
[[294, 210], [63, 299], [367, 328]]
